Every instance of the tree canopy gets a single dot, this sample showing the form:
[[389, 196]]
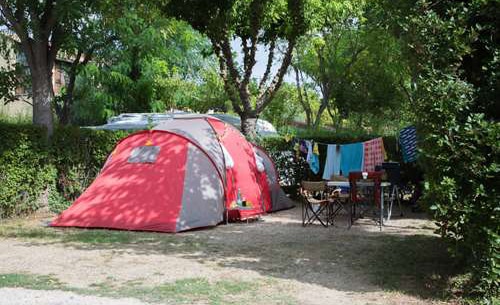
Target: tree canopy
[[251, 23]]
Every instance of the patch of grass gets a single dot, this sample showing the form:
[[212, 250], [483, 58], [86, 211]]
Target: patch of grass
[[99, 237], [65, 235], [185, 291], [198, 289], [102, 238], [16, 229], [38, 282], [194, 290]]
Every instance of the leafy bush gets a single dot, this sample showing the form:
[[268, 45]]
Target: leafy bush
[[25, 168], [455, 47], [461, 154]]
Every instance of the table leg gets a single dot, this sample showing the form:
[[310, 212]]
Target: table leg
[[381, 207]]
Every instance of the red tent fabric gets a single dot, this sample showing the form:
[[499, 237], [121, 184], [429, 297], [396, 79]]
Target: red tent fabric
[[244, 176], [177, 178]]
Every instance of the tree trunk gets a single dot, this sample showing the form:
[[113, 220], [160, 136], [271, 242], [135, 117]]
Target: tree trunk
[[249, 125], [332, 116], [304, 100], [43, 94], [321, 109]]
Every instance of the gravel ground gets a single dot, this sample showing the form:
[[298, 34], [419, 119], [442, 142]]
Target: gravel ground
[[312, 265]]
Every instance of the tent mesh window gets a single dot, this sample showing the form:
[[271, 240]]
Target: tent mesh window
[[144, 154]]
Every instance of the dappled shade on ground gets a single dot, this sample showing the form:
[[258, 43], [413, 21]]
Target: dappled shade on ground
[[405, 263]]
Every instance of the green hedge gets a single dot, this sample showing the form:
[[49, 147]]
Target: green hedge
[[25, 168], [34, 172]]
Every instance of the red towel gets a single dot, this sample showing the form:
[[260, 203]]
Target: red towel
[[374, 154]]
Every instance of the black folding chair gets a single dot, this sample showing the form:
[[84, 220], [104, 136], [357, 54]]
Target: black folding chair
[[340, 202], [315, 204]]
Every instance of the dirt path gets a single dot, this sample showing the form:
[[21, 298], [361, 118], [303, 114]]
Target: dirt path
[[21, 296], [282, 261]]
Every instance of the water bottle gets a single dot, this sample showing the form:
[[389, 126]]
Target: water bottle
[[239, 200]]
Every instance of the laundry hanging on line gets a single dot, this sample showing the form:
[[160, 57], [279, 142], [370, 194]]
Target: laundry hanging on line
[[332, 164], [355, 154], [374, 154], [312, 158], [351, 158], [408, 142]]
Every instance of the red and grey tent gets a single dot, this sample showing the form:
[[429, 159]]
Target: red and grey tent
[[186, 173]]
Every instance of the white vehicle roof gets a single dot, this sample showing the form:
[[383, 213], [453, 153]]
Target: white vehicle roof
[[137, 121]]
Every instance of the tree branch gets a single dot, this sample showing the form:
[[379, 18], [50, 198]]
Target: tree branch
[[306, 95], [256, 12], [17, 24], [244, 93], [270, 59], [49, 19], [35, 20], [264, 99], [353, 60], [228, 85], [53, 47], [303, 101], [227, 55], [11, 18]]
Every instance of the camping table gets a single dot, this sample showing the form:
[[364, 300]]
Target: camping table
[[383, 185], [236, 208]]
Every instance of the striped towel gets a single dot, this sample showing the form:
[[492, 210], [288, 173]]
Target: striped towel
[[374, 154], [408, 142]]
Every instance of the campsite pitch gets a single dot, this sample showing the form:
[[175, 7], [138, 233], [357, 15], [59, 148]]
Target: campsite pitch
[[271, 261]]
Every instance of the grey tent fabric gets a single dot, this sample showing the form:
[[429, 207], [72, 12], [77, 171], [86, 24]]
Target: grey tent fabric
[[200, 131], [279, 199], [197, 129], [144, 154], [203, 193]]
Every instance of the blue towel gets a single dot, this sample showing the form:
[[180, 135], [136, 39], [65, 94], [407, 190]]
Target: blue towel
[[312, 158], [332, 165], [408, 141], [351, 158]]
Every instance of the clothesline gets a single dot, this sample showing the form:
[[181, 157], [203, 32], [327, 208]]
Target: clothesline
[[407, 142], [343, 158], [326, 144]]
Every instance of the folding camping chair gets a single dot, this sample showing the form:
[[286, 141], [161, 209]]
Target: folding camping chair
[[339, 202], [315, 203]]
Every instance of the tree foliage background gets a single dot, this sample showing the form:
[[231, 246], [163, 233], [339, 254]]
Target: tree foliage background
[[363, 65], [453, 47]]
